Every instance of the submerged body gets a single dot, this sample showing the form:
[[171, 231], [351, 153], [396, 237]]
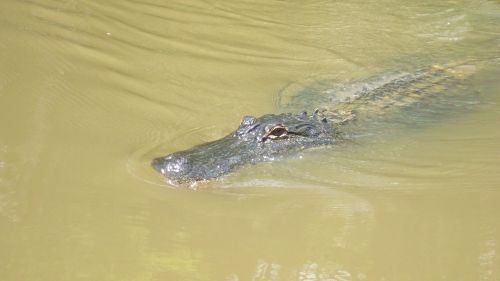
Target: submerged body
[[272, 136]]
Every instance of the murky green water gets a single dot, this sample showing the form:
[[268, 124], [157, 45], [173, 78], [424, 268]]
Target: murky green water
[[90, 91]]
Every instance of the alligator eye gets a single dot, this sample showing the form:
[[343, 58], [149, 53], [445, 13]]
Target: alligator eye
[[276, 132]]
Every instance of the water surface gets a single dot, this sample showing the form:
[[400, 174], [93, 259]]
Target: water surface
[[91, 91]]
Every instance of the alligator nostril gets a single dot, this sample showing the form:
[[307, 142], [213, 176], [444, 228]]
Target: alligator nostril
[[159, 164], [170, 165]]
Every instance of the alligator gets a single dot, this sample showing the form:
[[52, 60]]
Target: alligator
[[271, 136]]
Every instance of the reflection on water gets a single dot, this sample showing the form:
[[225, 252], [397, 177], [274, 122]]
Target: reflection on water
[[307, 272], [90, 91]]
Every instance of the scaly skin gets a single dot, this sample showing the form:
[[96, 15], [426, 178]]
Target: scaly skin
[[272, 136]]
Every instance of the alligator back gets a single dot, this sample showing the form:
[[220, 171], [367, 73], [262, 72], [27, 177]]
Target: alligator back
[[381, 96]]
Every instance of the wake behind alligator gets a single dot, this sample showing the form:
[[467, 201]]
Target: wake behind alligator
[[272, 136]]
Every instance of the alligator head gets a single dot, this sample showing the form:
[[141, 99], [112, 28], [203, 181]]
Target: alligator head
[[256, 140]]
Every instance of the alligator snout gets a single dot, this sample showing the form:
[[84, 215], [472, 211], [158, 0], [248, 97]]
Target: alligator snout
[[170, 166], [202, 162]]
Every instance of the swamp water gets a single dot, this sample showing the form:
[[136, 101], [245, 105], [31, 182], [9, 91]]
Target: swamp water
[[91, 91]]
